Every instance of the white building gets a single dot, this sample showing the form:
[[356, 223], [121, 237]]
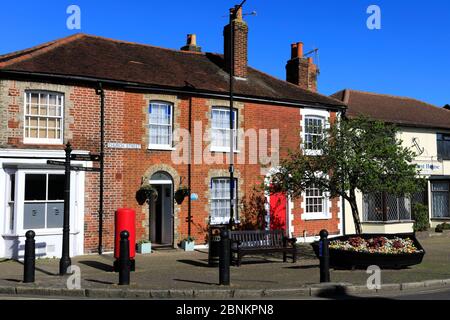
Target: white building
[[423, 128]]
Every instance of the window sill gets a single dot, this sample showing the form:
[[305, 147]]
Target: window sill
[[308, 152], [441, 219], [43, 142], [54, 232], [161, 148], [387, 222], [224, 150], [313, 217]]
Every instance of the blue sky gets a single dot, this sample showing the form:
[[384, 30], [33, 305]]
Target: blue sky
[[409, 56]]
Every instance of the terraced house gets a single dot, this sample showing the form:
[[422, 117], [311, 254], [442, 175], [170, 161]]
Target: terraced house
[[49, 95], [423, 128]]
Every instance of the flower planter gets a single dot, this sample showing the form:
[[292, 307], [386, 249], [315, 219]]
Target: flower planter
[[187, 245], [346, 259], [144, 248], [180, 194]]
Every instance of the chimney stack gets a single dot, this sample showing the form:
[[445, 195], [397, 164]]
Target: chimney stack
[[300, 70], [191, 44], [239, 46]]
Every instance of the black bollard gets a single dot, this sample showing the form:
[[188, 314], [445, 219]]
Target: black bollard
[[324, 254], [29, 258], [124, 259], [224, 258]]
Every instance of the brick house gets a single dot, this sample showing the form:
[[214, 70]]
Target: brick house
[[425, 129], [49, 96]]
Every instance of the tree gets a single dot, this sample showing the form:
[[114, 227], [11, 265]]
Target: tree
[[355, 154]]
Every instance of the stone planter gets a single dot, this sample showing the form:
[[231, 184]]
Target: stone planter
[[187, 245], [144, 248]]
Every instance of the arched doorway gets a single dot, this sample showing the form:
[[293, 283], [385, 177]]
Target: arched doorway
[[161, 211]]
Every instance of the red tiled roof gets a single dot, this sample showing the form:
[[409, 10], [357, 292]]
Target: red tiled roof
[[394, 109], [89, 56]]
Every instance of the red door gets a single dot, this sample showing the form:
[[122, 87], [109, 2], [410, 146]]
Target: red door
[[278, 203]]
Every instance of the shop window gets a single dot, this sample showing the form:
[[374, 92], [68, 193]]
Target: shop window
[[384, 207], [44, 201]]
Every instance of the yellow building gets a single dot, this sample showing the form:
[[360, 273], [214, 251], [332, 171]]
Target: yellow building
[[423, 128]]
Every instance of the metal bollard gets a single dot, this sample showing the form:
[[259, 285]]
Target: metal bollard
[[124, 259], [29, 257], [224, 258], [324, 254]]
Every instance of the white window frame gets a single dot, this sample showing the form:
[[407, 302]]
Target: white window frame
[[432, 199], [215, 148], [10, 217], [76, 201], [46, 201], [324, 115], [226, 199], [326, 206], [27, 114], [155, 146]]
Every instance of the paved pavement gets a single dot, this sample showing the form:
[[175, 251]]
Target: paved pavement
[[188, 271]]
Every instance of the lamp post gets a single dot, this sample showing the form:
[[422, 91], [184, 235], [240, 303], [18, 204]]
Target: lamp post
[[65, 261], [231, 168]]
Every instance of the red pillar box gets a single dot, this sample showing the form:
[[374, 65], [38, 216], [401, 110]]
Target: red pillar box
[[125, 219]]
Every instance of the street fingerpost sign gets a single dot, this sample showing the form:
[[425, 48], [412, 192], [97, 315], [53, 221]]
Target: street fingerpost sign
[[72, 168], [85, 157]]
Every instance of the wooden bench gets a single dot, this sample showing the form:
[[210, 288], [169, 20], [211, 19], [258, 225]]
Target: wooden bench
[[259, 242]]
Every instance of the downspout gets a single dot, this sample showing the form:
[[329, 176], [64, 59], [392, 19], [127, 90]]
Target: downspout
[[190, 167], [101, 93]]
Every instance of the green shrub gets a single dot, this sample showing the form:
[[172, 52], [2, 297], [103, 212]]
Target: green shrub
[[443, 226], [420, 216]]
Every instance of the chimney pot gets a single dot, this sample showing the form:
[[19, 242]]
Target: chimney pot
[[191, 44], [297, 50], [192, 39]]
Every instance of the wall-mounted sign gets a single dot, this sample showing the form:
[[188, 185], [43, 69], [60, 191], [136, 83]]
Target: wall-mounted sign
[[194, 196], [119, 145], [429, 167]]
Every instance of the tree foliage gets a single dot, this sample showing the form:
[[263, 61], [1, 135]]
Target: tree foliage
[[354, 154]]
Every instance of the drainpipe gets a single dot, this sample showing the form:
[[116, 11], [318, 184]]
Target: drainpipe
[[101, 93], [190, 166]]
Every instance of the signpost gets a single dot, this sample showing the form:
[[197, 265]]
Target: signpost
[[65, 261]]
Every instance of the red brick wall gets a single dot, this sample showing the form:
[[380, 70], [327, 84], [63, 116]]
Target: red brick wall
[[125, 169]]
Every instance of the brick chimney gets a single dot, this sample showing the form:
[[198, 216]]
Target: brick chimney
[[240, 31], [191, 44], [300, 70]]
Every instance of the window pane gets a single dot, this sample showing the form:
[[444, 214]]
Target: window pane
[[220, 203], [56, 187], [35, 187], [44, 107], [160, 120], [34, 216], [440, 204], [55, 215]]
